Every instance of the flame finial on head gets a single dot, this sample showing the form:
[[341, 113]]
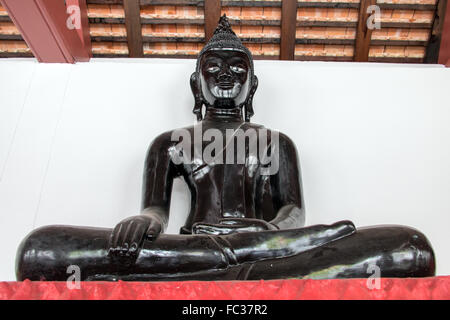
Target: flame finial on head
[[224, 25]]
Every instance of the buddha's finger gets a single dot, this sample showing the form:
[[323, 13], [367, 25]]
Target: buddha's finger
[[230, 221], [205, 229], [246, 225], [129, 231], [136, 239], [121, 244], [244, 222], [252, 228], [134, 233], [153, 230], [255, 224], [202, 229], [115, 235], [214, 229]]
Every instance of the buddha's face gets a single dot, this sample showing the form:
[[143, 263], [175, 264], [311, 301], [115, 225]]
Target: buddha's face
[[225, 77]]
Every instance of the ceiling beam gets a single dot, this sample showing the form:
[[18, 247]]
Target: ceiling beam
[[83, 32], [212, 16], [132, 10], [444, 50], [434, 43], [363, 33], [45, 27], [288, 29]]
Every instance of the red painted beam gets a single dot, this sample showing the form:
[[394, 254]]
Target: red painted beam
[[444, 51], [79, 15], [52, 34]]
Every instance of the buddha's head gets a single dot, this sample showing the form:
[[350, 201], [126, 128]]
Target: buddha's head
[[224, 77]]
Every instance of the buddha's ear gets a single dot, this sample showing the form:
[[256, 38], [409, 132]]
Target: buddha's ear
[[197, 92], [249, 103]]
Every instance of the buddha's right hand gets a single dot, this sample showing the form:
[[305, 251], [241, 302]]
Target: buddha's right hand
[[128, 236]]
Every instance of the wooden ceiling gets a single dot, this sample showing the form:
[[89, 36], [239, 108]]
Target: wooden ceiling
[[289, 29]]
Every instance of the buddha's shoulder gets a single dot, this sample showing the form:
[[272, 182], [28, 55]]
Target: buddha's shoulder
[[163, 140], [284, 138], [171, 137]]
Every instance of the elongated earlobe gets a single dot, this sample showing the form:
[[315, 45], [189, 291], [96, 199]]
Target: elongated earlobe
[[196, 91], [249, 104]]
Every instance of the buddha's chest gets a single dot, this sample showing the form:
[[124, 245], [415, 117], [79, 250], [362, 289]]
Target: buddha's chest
[[222, 191]]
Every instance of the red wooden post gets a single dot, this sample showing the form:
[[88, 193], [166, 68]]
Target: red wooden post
[[50, 31], [444, 51], [132, 10], [212, 16], [363, 32], [288, 29]]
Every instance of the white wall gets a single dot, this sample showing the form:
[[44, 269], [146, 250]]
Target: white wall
[[374, 141]]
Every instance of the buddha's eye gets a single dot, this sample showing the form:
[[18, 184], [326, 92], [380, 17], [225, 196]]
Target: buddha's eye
[[213, 69], [238, 69]]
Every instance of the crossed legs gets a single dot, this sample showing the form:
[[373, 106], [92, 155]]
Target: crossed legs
[[320, 252]]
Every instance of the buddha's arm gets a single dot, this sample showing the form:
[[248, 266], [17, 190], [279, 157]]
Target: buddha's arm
[[159, 172], [286, 187]]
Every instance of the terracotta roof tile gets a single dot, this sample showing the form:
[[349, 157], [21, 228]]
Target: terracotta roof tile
[[12, 46], [105, 11], [3, 11], [401, 34], [326, 14], [173, 30], [323, 50], [8, 28], [171, 12], [397, 51], [109, 48]]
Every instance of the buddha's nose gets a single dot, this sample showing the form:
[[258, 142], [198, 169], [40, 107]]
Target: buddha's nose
[[225, 73]]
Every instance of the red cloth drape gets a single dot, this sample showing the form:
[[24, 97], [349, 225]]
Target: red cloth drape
[[409, 288]]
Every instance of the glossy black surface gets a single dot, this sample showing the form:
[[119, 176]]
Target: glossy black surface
[[243, 224]]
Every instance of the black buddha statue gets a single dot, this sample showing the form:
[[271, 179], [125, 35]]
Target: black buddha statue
[[247, 215]]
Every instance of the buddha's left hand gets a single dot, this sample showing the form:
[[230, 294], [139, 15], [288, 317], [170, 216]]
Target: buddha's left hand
[[233, 225]]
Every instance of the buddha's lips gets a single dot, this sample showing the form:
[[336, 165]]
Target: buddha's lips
[[225, 85]]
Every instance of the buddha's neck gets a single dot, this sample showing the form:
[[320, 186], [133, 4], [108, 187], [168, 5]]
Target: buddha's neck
[[222, 114]]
